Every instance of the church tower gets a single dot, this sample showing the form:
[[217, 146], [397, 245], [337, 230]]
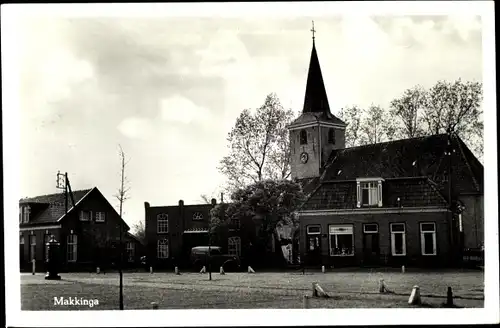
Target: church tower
[[316, 132]]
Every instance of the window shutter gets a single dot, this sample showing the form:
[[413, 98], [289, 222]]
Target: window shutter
[[358, 193], [379, 186]]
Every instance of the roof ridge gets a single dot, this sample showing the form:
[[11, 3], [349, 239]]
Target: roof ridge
[[55, 194], [394, 141]]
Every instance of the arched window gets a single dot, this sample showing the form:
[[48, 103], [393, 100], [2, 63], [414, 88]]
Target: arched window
[[162, 222], [162, 250], [197, 216], [234, 246], [331, 136], [303, 137]]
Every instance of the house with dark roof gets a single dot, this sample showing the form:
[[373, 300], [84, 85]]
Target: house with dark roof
[[88, 231], [172, 231], [414, 201]]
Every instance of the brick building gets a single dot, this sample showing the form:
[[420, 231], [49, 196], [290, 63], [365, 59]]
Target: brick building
[[385, 203], [88, 233], [172, 231]]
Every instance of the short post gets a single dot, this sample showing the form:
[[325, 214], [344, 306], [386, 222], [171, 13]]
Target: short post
[[33, 264], [222, 270], [415, 296], [449, 297], [151, 269], [323, 268], [402, 269], [306, 301], [98, 270], [154, 305], [177, 270], [314, 290], [381, 287]]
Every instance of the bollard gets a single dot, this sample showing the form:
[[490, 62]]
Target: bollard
[[306, 301], [415, 296], [98, 270], [323, 268], [33, 263], [402, 269], [449, 297], [177, 270], [151, 269], [154, 305], [381, 286], [250, 270], [222, 270], [203, 270]]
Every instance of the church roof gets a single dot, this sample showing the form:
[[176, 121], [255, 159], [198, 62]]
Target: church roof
[[316, 106]]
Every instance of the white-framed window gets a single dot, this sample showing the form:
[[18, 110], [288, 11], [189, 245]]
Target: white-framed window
[[26, 214], [398, 239], [162, 249], [235, 223], [72, 247], [32, 247], [234, 246], [428, 238], [85, 215], [197, 216], [162, 223], [369, 193], [100, 216], [341, 240], [130, 251], [370, 228]]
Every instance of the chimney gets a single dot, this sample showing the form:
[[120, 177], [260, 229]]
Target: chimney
[[214, 202]]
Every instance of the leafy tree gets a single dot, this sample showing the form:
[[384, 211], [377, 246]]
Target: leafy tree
[[457, 104], [408, 109], [258, 145], [139, 231], [262, 205], [352, 117]]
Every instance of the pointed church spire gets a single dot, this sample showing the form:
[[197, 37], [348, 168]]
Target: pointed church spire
[[316, 99]]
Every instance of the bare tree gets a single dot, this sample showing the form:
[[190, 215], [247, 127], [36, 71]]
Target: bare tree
[[122, 196], [258, 145], [351, 115], [408, 109], [457, 104], [376, 126]]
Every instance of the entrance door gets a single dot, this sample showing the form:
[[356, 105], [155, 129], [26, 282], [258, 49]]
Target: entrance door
[[371, 248], [313, 244]]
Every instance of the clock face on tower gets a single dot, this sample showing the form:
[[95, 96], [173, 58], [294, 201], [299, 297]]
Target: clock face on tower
[[304, 157]]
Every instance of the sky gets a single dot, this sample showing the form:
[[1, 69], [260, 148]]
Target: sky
[[168, 89]]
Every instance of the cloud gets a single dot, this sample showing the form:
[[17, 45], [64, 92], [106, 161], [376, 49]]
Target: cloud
[[182, 110], [136, 128]]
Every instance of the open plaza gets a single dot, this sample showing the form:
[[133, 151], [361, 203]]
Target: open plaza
[[354, 288]]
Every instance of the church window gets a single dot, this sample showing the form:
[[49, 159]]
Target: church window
[[197, 216], [303, 137], [162, 223], [331, 136]]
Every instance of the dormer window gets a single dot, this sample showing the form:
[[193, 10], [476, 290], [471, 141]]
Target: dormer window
[[369, 192], [303, 137], [331, 136], [25, 214]]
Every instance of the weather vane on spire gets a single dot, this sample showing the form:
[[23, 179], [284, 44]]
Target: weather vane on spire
[[313, 30]]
